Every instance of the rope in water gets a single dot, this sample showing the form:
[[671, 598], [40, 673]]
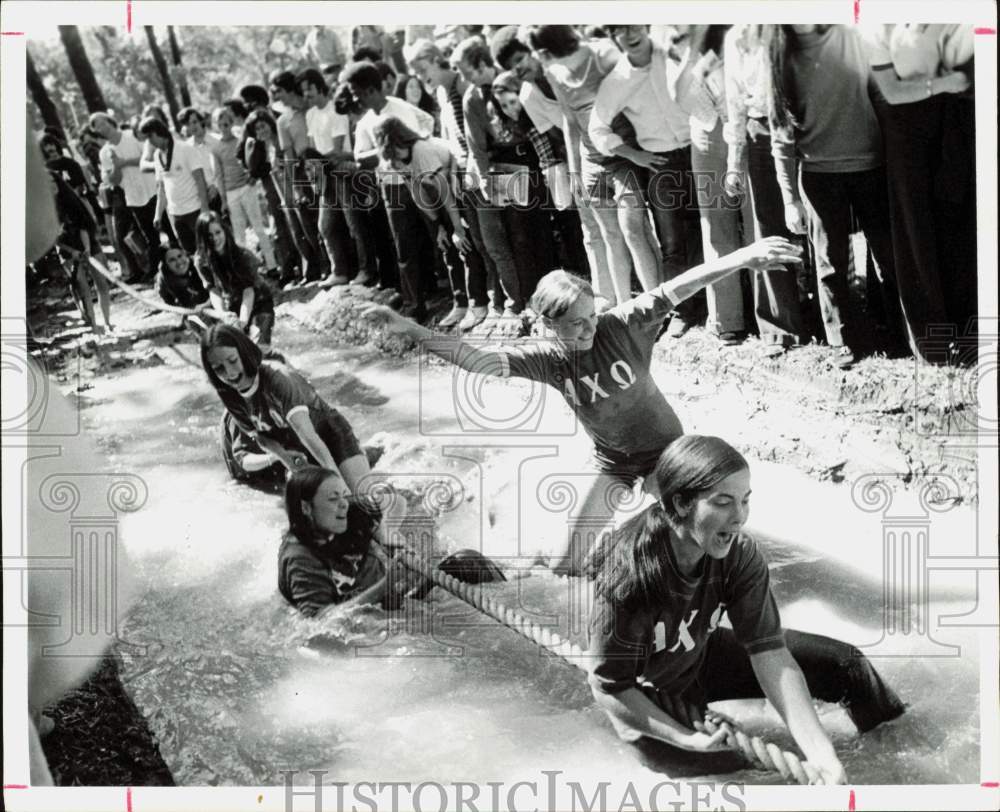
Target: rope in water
[[150, 303], [758, 751]]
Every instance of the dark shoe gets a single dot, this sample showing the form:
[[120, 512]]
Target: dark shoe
[[774, 350], [731, 338], [677, 327], [395, 301], [414, 312]]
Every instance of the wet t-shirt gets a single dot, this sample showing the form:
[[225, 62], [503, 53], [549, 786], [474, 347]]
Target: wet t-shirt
[[665, 647], [609, 386], [311, 577], [279, 393]]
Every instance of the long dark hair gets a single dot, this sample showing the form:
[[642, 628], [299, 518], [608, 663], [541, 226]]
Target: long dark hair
[[390, 134], [783, 105], [630, 569], [250, 130], [225, 335], [151, 125], [426, 103], [301, 487], [222, 265]]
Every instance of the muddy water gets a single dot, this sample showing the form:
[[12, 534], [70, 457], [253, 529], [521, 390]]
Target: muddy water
[[237, 687]]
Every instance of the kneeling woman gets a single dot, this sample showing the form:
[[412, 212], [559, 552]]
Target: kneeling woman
[[229, 273], [327, 556], [658, 652], [278, 407]]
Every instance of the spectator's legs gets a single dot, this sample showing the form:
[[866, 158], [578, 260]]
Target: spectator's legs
[[499, 248], [720, 227], [183, 225], [775, 293], [633, 219], [335, 233], [288, 256], [408, 233], [596, 249], [827, 203]]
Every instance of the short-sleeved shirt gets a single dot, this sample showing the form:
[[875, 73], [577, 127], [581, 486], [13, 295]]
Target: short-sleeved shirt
[[138, 186], [178, 181], [311, 578], [545, 113], [609, 386], [206, 149], [324, 124], [413, 117], [665, 646], [279, 393], [429, 157]]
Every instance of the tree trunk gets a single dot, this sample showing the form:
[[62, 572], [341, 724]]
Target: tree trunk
[[175, 57], [41, 97], [82, 70], [168, 83]]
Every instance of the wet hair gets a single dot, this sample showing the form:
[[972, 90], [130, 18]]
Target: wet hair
[[472, 51], [424, 50], [556, 292], [364, 75], [557, 40], [251, 357], [630, 567], [344, 102], [283, 79], [313, 77], [391, 133], [185, 115], [366, 53], [301, 487], [255, 96], [236, 107], [506, 44]]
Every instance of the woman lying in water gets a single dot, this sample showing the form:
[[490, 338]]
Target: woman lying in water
[[662, 586], [328, 554]]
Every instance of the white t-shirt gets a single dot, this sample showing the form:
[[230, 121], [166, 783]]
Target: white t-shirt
[[138, 186], [178, 181], [545, 113], [413, 117], [206, 150], [324, 124]]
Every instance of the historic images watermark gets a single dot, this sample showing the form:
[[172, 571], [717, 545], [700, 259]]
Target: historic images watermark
[[549, 790]]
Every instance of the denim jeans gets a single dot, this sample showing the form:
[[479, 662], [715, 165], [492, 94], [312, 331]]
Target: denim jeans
[[414, 249], [673, 202]]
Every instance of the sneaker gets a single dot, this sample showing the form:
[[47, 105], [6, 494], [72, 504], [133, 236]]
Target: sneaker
[[475, 315], [845, 357], [454, 317]]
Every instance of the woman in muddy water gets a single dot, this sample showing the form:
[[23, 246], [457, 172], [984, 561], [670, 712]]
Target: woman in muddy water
[[328, 555], [278, 408], [600, 364], [230, 275], [658, 653]]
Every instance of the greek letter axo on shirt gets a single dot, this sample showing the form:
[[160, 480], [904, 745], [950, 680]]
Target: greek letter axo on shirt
[[665, 646], [609, 386]]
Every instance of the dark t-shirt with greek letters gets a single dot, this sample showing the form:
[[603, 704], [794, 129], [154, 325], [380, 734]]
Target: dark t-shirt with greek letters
[[609, 386]]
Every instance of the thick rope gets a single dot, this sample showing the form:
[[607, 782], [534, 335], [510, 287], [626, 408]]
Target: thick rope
[[761, 753], [150, 303]]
